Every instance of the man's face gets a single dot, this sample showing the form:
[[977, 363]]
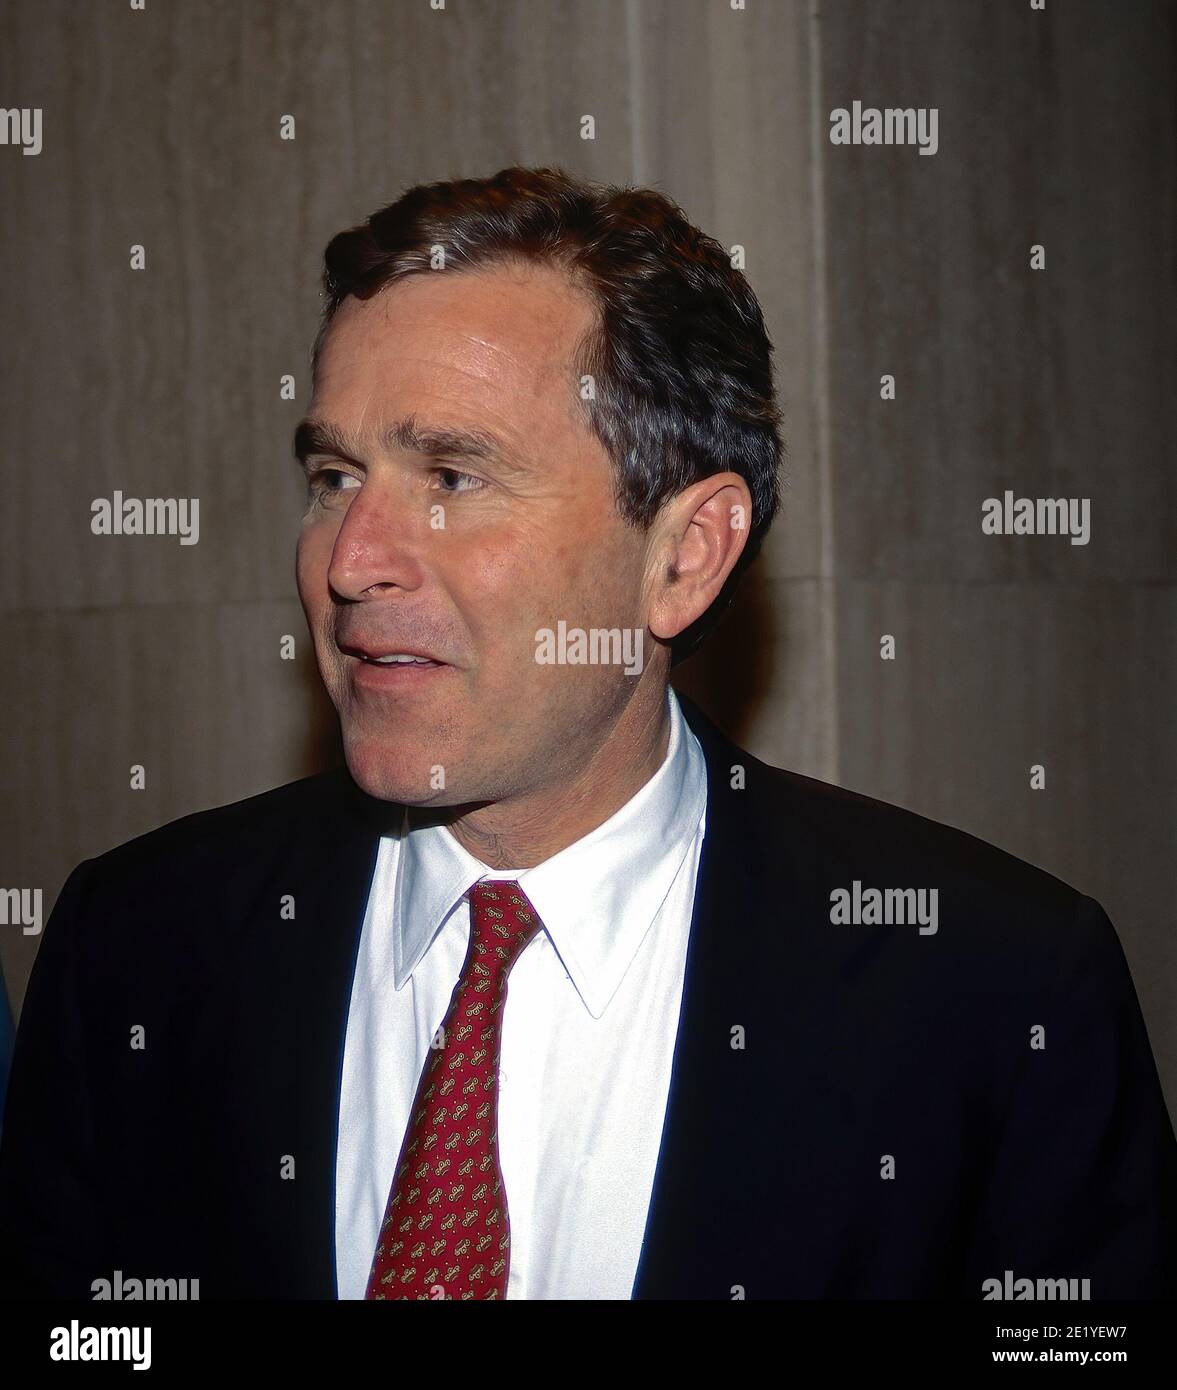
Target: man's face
[[408, 545]]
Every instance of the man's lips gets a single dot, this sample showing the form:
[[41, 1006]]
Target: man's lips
[[379, 654]]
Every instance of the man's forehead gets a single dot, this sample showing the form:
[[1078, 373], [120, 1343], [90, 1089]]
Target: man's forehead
[[532, 311], [500, 343]]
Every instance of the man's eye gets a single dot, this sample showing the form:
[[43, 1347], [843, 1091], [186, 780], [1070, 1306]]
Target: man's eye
[[450, 475], [322, 480]]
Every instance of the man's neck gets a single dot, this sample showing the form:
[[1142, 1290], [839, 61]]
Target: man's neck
[[519, 835]]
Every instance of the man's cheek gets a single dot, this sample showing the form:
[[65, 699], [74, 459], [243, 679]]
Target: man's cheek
[[499, 608], [312, 557], [587, 582]]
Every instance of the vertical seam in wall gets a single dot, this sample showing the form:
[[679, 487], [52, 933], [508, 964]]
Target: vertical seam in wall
[[637, 102], [827, 601]]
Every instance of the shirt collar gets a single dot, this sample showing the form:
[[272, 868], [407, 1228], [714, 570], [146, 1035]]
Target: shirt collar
[[597, 898]]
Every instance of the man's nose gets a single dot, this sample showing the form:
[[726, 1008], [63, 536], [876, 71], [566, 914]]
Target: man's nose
[[378, 545]]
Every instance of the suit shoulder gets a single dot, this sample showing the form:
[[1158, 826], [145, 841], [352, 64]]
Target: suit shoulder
[[898, 847], [210, 839]]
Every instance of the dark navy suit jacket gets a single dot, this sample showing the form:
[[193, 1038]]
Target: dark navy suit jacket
[[856, 1111]]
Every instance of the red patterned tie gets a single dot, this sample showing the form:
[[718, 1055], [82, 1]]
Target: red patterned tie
[[446, 1232]]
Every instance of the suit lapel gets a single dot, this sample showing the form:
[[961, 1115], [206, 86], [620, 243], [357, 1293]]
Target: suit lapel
[[757, 1126], [722, 897], [335, 869]]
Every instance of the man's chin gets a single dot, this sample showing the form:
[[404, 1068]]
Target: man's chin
[[392, 773]]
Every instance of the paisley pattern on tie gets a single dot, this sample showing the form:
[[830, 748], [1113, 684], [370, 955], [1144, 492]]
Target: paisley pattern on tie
[[446, 1232]]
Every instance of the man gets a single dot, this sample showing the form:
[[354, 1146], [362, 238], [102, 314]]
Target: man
[[762, 1038]]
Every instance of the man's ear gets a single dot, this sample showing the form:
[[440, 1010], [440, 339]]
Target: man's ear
[[698, 537]]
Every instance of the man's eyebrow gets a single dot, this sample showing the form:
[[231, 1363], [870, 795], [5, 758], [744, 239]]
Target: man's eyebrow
[[461, 442]]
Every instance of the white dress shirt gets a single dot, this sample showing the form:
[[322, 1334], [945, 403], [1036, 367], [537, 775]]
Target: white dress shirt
[[587, 1038]]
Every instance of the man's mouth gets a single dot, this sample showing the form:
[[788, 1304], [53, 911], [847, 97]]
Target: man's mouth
[[388, 656], [400, 659]]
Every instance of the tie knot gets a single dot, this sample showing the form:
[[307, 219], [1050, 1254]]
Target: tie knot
[[503, 921]]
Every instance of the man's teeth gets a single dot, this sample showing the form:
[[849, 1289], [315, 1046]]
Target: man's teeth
[[400, 659]]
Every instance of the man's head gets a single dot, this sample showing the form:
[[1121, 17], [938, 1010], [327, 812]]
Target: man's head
[[536, 403]]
